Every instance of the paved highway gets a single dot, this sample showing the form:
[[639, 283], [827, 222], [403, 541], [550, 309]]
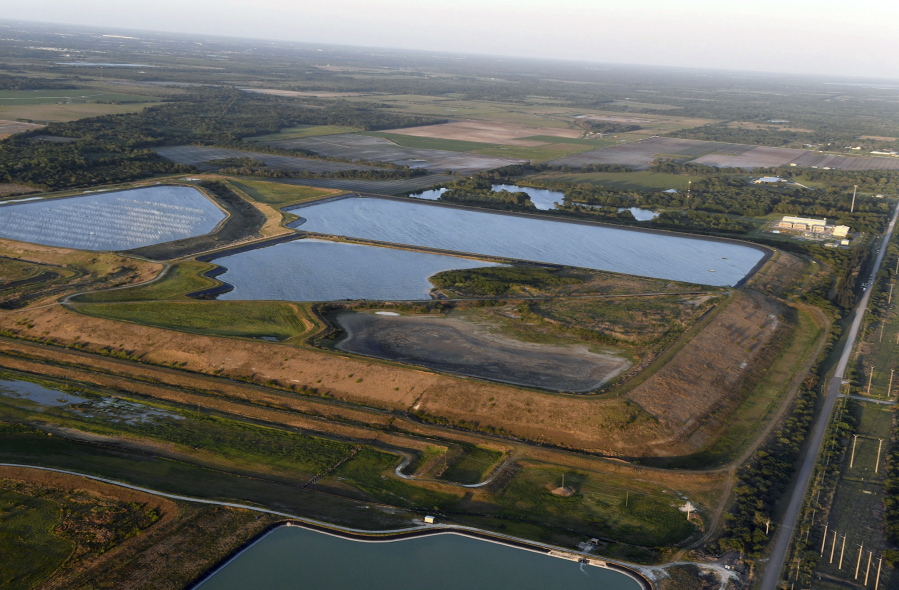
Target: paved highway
[[785, 534]]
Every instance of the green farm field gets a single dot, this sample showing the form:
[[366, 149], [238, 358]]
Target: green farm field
[[278, 194]]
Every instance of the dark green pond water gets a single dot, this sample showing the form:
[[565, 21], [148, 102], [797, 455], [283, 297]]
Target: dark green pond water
[[293, 558]]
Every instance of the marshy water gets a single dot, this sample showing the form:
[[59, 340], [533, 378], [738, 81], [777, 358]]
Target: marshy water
[[115, 220], [293, 557], [319, 270], [651, 254]]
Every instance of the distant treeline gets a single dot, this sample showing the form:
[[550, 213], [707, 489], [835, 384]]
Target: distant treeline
[[115, 148], [8, 82]]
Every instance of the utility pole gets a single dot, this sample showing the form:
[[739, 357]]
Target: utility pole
[[858, 563], [877, 465], [842, 551], [824, 540], [877, 580], [852, 209], [833, 545], [867, 568], [890, 299], [870, 379], [890, 388], [881, 330], [852, 457]]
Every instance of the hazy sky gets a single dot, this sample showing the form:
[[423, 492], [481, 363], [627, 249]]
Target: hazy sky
[[822, 37]]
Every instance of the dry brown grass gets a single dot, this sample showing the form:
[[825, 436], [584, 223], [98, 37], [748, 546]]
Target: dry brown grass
[[8, 128], [698, 388], [8, 189]]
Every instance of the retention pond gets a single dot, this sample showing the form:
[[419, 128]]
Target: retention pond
[[319, 270], [293, 557], [119, 220], [646, 253]]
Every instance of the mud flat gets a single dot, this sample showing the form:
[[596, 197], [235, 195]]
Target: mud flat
[[457, 346], [118, 220], [661, 255]]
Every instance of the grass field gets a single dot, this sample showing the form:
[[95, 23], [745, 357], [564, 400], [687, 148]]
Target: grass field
[[430, 143], [610, 507], [82, 95], [304, 131], [278, 194], [181, 278], [29, 549], [53, 112], [857, 508], [472, 466], [253, 319], [637, 181]]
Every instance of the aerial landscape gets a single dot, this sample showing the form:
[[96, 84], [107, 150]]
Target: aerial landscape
[[389, 312]]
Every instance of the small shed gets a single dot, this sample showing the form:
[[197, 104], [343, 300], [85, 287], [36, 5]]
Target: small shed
[[430, 519]]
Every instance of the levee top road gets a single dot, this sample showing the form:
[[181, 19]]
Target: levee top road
[[657, 255], [118, 220]]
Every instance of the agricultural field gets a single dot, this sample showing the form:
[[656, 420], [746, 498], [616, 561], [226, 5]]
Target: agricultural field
[[8, 128], [374, 187], [201, 156], [377, 149], [642, 154]]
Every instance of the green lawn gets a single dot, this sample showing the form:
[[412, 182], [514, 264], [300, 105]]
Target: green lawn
[[181, 278], [248, 319], [278, 194], [620, 509], [472, 466]]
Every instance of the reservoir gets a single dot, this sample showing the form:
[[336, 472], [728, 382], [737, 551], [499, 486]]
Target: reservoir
[[644, 253], [115, 220], [319, 270], [293, 557]]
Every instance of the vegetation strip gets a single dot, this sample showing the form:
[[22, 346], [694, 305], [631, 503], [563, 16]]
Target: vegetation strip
[[348, 533]]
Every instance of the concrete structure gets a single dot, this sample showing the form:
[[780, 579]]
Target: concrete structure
[[768, 179], [803, 223], [841, 231]]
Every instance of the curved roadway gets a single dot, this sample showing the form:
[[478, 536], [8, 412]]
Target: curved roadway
[[782, 543]]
